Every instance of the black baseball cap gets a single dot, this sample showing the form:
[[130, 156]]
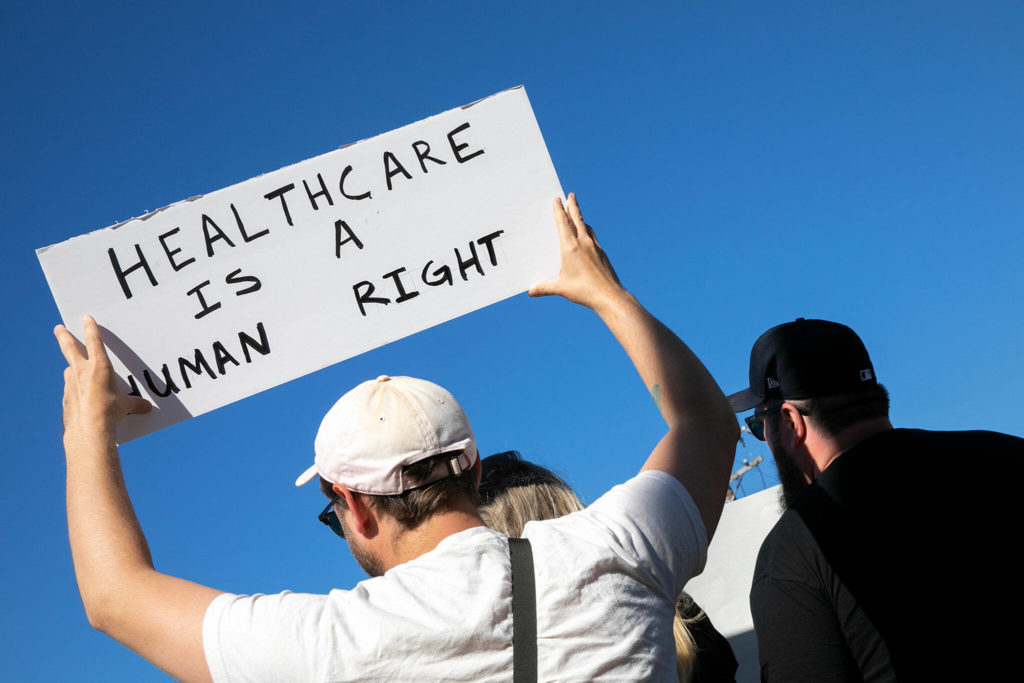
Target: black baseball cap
[[805, 359]]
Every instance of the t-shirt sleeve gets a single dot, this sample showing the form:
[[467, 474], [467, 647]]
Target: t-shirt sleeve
[[798, 635], [653, 520], [263, 637]]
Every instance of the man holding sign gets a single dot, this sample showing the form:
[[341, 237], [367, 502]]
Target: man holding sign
[[402, 490]]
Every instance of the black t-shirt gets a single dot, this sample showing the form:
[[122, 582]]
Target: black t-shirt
[[896, 564], [715, 661]]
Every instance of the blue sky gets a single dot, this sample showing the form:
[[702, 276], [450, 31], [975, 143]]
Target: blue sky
[[743, 165]]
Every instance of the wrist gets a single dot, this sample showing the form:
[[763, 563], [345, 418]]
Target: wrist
[[83, 431], [614, 301]]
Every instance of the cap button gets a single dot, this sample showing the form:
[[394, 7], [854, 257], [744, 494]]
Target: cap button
[[383, 378]]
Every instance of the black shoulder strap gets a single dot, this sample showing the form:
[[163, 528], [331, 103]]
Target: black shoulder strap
[[524, 612]]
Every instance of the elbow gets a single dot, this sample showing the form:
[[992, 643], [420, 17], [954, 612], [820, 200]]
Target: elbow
[[726, 430], [98, 613], [105, 609]]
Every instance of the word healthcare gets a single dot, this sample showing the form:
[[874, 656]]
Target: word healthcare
[[223, 295]]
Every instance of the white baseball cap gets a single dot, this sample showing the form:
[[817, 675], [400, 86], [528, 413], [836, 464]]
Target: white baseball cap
[[385, 424]]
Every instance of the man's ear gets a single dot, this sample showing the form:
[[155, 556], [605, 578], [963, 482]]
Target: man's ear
[[792, 426], [478, 469], [361, 515]]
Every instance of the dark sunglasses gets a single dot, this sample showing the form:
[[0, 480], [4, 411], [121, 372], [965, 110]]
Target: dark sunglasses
[[755, 422], [329, 517]]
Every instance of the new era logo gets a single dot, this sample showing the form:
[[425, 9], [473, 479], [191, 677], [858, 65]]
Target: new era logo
[[866, 375], [774, 383]]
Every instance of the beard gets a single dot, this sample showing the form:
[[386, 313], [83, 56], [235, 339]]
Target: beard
[[792, 479], [370, 563]]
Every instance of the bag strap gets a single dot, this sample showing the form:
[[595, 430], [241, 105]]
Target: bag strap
[[524, 612]]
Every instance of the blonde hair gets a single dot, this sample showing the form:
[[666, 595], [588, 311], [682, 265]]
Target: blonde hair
[[686, 649], [514, 491]]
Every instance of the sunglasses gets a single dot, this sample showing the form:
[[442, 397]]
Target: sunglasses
[[329, 517], [755, 422]]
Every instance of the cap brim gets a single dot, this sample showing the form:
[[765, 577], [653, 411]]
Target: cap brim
[[743, 401], [307, 476]]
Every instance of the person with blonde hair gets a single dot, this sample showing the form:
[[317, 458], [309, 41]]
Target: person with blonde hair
[[514, 491]]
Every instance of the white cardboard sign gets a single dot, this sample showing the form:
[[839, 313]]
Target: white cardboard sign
[[219, 297]]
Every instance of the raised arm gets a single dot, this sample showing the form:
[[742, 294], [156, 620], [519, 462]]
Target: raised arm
[[158, 616], [701, 442]]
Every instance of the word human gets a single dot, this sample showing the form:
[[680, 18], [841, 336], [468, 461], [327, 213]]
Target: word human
[[179, 374], [231, 227], [431, 275]]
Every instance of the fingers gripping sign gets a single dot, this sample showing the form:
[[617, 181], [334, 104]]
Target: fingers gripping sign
[[586, 275], [91, 395]]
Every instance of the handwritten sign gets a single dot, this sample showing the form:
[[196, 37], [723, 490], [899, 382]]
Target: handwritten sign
[[219, 297]]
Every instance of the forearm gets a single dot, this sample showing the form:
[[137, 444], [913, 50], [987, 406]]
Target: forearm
[[701, 440], [699, 447], [680, 385], [107, 543], [158, 616]]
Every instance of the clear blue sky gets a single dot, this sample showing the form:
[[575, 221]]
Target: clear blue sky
[[743, 165]]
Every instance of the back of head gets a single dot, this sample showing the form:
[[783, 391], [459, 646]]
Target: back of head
[[822, 367], [403, 443], [514, 491], [443, 490]]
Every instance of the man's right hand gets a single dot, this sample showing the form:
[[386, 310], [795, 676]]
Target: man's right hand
[[586, 277], [701, 441]]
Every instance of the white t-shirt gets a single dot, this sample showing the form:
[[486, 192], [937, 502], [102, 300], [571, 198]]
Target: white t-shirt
[[607, 579]]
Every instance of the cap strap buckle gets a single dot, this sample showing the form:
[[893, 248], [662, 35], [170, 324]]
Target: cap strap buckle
[[454, 466]]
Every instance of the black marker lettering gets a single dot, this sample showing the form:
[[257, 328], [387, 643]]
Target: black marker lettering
[[346, 195], [241, 228], [198, 367], [364, 297], [457, 148], [322, 193], [338, 227], [402, 294], [232, 279], [169, 385], [207, 308], [222, 357], [444, 271], [486, 241], [422, 156], [279, 192], [221, 235], [171, 252], [122, 275], [248, 342], [473, 261], [389, 173], [133, 388]]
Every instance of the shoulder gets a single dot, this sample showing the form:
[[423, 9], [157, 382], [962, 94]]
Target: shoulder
[[788, 552], [649, 525], [913, 440], [650, 488], [651, 504]]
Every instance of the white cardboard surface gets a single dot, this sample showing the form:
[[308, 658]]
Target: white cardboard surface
[[491, 195], [723, 588]]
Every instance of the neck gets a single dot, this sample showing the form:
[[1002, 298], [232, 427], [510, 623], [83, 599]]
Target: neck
[[835, 446], [408, 544]]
